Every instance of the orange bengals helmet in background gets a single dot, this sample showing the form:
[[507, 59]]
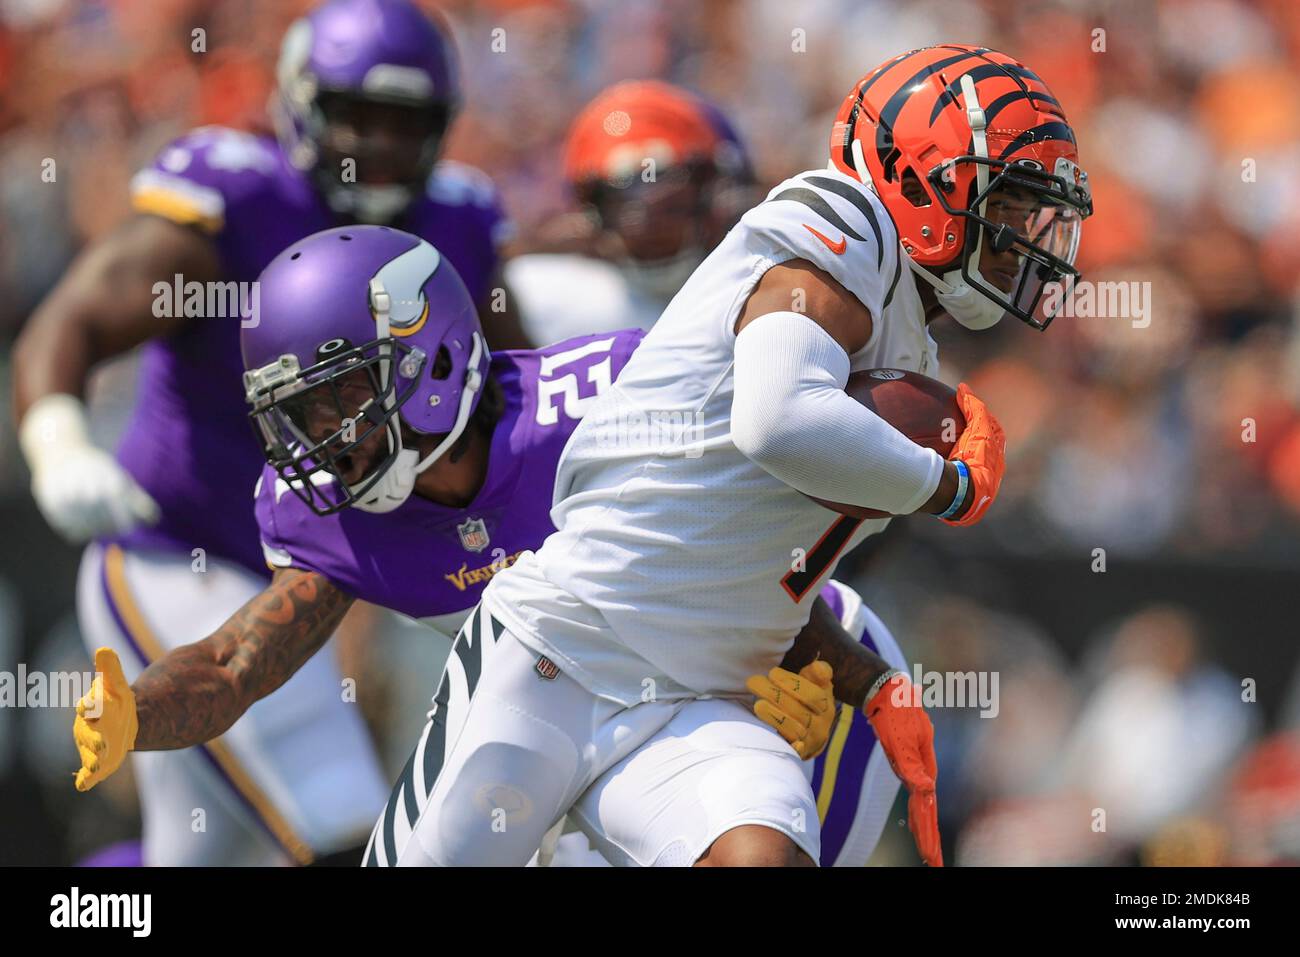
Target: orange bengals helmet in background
[[631, 122], [936, 132], [661, 170]]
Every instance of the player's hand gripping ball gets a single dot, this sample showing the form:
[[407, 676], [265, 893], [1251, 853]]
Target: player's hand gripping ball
[[925, 410], [982, 445], [106, 723], [800, 706]]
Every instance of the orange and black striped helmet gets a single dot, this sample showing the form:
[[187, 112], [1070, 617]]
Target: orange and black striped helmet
[[635, 121], [661, 168], [937, 131]]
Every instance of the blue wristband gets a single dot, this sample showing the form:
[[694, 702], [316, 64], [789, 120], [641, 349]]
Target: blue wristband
[[963, 482]]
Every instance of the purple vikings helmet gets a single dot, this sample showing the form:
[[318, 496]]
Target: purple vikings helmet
[[348, 57], [365, 340]]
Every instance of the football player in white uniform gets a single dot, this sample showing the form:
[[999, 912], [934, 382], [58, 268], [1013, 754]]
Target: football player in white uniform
[[660, 176], [601, 674]]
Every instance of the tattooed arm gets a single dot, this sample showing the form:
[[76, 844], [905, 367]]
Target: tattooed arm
[[195, 692], [856, 666]]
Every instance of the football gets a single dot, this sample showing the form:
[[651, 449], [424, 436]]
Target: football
[[923, 409]]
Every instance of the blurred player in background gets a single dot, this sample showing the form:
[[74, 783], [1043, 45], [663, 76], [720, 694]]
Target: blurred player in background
[[366, 92], [660, 176]]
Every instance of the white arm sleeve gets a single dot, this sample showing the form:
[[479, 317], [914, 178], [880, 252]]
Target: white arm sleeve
[[791, 415]]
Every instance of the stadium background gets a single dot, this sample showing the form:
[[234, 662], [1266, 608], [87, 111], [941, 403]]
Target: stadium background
[[1119, 689]]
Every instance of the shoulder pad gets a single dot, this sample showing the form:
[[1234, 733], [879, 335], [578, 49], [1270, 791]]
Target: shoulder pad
[[460, 185], [836, 223], [195, 179]]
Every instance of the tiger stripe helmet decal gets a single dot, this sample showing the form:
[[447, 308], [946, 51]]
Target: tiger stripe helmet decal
[[934, 131]]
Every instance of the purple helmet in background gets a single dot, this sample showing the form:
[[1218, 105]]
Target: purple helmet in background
[[733, 156], [735, 188], [348, 55], [365, 340]]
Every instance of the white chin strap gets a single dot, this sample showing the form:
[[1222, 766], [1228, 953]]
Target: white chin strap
[[396, 484], [960, 299], [966, 304], [394, 488]]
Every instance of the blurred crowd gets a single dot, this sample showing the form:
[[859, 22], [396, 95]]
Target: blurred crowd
[[1169, 433]]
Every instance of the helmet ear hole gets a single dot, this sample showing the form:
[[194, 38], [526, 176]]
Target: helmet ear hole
[[441, 364], [914, 190], [891, 164]]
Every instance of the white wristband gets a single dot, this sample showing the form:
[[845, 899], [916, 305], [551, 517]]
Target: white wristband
[[963, 483]]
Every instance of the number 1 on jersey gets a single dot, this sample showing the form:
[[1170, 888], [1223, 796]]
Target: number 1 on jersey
[[798, 582]]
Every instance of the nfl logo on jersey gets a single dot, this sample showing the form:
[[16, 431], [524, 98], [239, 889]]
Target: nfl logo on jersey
[[473, 534]]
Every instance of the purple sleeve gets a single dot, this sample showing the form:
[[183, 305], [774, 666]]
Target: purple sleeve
[[294, 536], [466, 187], [207, 177], [276, 549], [489, 222]]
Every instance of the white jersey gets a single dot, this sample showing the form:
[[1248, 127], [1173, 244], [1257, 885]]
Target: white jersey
[[564, 296], [679, 566]]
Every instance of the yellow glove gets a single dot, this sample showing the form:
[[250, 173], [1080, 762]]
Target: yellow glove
[[800, 706], [106, 722]]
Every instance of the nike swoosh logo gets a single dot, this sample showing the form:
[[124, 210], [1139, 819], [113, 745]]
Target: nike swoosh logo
[[836, 248], [982, 501]]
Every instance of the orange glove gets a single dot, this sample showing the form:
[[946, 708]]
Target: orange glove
[[907, 737], [982, 445]]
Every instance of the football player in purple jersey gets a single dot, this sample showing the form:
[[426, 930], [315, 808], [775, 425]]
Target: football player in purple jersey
[[399, 453], [366, 90]]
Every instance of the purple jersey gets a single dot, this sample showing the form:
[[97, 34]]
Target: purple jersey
[[428, 560], [189, 443]]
